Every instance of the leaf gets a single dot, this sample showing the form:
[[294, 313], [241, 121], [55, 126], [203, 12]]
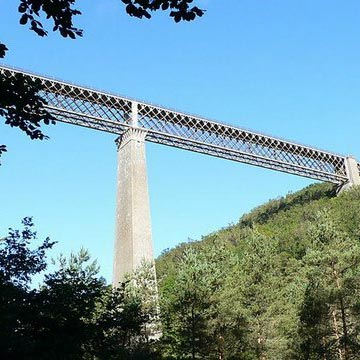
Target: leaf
[[131, 9], [22, 8], [63, 32], [24, 19], [3, 50], [177, 17], [40, 32], [197, 11]]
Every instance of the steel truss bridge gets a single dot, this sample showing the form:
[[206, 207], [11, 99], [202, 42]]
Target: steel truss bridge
[[116, 114]]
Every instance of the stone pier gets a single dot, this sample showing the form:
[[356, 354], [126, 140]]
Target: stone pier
[[133, 238]]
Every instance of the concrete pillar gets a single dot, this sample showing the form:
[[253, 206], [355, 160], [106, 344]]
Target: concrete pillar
[[133, 239]]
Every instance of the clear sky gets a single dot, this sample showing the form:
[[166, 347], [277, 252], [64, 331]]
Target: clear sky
[[289, 68]]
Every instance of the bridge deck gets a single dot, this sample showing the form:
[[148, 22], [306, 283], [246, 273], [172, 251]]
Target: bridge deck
[[102, 111]]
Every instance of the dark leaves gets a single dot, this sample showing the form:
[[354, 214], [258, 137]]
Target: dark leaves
[[20, 101], [94, 321], [22, 8], [24, 18], [2, 150], [61, 12], [22, 105], [17, 261], [3, 50], [180, 9]]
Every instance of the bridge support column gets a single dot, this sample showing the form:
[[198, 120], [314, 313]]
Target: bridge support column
[[133, 239], [352, 172]]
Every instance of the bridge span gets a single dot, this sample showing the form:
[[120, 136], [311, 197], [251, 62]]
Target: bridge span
[[136, 122]]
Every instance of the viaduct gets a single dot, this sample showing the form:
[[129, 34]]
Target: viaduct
[[136, 122]]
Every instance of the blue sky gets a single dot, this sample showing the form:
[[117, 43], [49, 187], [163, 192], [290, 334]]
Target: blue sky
[[289, 68]]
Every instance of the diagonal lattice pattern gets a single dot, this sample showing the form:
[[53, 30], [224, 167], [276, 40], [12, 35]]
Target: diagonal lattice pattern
[[98, 110]]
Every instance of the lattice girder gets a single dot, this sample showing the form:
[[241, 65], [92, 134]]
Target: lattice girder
[[106, 112]]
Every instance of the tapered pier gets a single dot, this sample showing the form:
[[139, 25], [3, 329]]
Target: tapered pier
[[133, 238]]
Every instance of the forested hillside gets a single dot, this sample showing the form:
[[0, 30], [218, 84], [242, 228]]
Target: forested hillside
[[283, 283]]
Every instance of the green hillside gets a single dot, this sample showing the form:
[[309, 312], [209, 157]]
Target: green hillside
[[282, 283]]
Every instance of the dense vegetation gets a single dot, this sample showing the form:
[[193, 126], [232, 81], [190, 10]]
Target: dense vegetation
[[72, 315], [283, 283]]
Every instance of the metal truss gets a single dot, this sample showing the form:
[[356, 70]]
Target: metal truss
[[115, 114]]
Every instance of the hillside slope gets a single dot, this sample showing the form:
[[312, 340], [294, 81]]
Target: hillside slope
[[282, 283], [287, 218]]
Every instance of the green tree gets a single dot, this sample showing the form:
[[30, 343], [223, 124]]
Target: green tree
[[226, 328], [314, 330], [119, 321], [141, 287], [65, 303], [72, 315], [18, 264], [289, 289], [193, 325], [185, 305], [333, 267], [251, 292]]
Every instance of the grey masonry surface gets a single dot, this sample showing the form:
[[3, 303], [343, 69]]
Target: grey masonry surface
[[133, 238], [352, 172]]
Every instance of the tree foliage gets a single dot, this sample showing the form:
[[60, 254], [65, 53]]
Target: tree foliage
[[333, 272], [72, 315], [22, 106], [60, 12], [179, 9], [287, 287], [21, 103], [18, 263]]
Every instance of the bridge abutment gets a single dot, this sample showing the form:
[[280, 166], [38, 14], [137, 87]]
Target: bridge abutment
[[352, 172], [133, 237]]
